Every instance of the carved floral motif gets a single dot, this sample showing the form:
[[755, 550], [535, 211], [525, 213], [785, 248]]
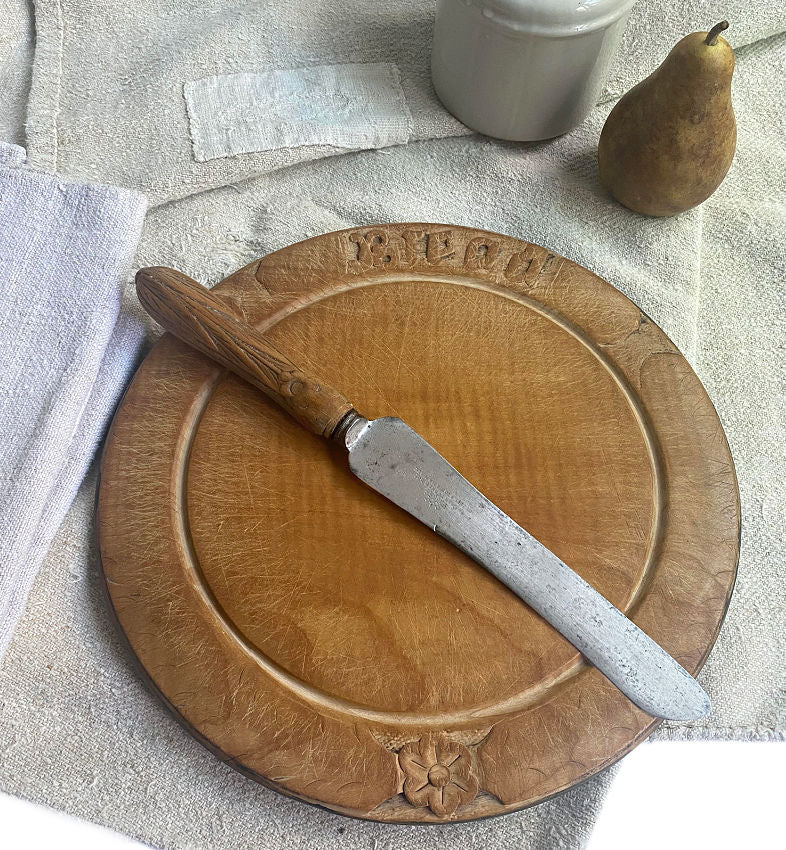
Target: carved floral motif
[[438, 774]]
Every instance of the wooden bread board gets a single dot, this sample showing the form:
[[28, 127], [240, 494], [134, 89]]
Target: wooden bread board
[[327, 644]]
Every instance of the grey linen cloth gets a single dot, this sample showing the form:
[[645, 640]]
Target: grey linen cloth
[[77, 728], [65, 251]]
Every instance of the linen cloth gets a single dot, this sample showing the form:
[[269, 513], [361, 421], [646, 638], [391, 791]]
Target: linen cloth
[[16, 55], [65, 250], [107, 101], [77, 728]]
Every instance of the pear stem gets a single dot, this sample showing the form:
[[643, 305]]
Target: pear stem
[[712, 35]]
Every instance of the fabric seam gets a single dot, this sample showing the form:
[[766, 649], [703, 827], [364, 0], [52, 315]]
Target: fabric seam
[[43, 105], [697, 292]]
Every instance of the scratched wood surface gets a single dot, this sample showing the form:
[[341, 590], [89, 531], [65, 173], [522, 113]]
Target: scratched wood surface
[[329, 645]]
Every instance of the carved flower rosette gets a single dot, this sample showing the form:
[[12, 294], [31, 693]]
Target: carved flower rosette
[[438, 774]]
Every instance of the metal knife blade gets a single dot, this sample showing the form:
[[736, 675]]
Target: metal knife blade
[[397, 462], [391, 458]]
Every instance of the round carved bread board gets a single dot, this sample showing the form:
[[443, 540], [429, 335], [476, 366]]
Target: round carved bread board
[[328, 644]]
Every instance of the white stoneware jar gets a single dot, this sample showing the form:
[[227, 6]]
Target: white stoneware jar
[[524, 69]]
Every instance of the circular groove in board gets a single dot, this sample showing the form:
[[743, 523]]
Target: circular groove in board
[[330, 702], [282, 608]]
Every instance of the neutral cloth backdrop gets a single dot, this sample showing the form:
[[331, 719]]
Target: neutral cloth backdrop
[[78, 730]]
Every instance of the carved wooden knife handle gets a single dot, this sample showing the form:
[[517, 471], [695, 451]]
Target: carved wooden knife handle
[[199, 318]]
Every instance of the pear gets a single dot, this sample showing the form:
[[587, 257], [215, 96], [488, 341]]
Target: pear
[[668, 143]]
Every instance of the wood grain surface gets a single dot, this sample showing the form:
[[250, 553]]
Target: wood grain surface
[[325, 642], [200, 318]]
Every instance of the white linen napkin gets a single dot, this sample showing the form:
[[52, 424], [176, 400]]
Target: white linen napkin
[[65, 253]]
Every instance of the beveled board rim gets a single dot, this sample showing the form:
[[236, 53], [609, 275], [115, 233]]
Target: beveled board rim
[[536, 275]]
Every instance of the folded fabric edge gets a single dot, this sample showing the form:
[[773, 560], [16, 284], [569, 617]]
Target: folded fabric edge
[[121, 212], [11, 155], [13, 164], [120, 357], [43, 102], [720, 733]]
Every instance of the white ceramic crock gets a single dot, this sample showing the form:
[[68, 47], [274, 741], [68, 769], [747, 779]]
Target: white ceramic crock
[[524, 69]]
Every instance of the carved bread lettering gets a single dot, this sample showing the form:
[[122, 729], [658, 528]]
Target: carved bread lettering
[[424, 249]]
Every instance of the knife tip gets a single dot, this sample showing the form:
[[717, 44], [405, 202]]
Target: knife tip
[[690, 703]]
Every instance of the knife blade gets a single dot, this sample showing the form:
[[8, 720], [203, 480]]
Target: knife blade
[[390, 457]]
